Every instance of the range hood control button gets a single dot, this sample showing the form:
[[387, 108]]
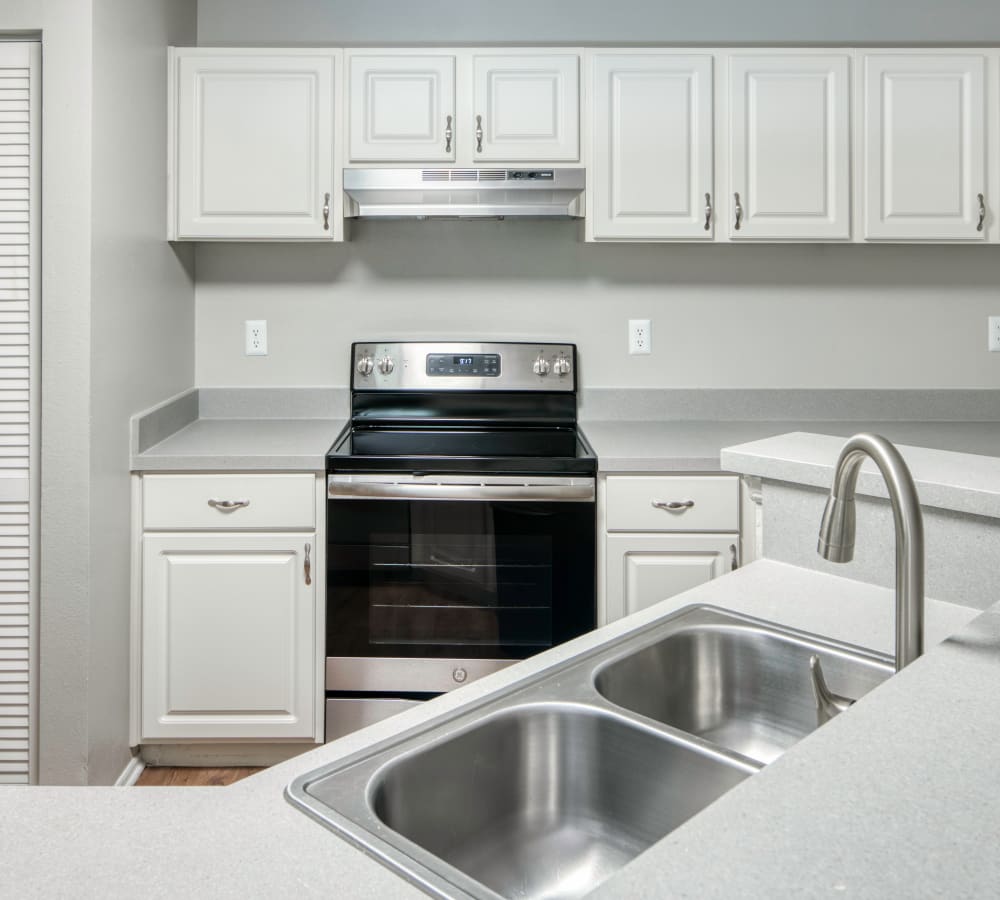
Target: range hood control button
[[541, 366], [386, 365], [366, 365]]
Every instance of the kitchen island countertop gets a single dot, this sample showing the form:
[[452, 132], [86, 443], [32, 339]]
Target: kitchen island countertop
[[895, 797]]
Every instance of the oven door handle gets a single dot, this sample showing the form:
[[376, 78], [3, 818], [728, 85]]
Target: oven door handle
[[574, 490]]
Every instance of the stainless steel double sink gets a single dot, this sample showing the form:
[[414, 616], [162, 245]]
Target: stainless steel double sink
[[549, 787]]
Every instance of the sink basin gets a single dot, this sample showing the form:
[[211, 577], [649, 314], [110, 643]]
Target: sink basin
[[736, 684], [547, 801], [546, 788]]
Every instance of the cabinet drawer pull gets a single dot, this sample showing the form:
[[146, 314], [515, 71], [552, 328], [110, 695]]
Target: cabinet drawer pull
[[673, 504], [982, 212], [227, 505], [308, 565], [479, 134], [447, 136]]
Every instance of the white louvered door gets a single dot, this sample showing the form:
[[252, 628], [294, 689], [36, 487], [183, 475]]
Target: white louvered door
[[20, 107]]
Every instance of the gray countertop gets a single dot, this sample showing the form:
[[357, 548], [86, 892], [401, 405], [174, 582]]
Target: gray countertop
[[624, 446], [243, 445], [261, 429], [896, 797], [962, 482]]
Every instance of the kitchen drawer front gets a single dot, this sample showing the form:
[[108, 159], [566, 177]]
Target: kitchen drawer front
[[673, 503], [229, 502]]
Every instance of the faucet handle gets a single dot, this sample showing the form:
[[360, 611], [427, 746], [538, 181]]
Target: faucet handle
[[828, 704]]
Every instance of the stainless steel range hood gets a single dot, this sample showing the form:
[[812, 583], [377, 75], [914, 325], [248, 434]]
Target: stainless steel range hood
[[463, 193]]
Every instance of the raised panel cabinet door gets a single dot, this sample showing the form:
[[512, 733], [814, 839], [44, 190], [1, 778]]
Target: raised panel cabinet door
[[525, 107], [925, 147], [255, 147], [644, 569], [790, 147], [652, 146], [228, 636], [402, 108]]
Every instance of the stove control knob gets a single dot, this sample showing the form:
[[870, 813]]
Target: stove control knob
[[541, 366], [386, 365], [366, 365], [561, 366]]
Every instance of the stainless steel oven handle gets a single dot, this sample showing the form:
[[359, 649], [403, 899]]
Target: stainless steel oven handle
[[581, 491]]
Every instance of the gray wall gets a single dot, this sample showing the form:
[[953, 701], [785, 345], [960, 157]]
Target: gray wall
[[142, 324], [117, 334], [757, 316], [563, 21]]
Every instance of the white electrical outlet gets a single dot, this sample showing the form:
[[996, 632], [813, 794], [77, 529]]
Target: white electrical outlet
[[993, 326], [256, 337], [640, 336]]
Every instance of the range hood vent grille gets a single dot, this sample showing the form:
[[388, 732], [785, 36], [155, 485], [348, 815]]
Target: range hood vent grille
[[463, 175]]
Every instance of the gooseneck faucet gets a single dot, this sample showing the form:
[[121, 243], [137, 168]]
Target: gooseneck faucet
[[836, 532], [836, 543]]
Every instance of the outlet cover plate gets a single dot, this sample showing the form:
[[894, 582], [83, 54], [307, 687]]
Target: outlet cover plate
[[993, 339], [640, 337], [256, 337]]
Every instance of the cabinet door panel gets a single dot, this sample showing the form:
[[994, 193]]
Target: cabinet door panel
[[400, 106], [254, 146], [228, 643], [790, 146], [652, 146], [528, 107], [644, 569], [924, 146]]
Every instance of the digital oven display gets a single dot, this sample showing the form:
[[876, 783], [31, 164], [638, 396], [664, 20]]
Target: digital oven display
[[475, 365]]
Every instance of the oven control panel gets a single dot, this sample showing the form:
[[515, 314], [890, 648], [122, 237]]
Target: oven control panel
[[494, 366], [469, 365]]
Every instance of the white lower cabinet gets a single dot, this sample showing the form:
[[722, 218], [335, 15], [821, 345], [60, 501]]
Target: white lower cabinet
[[228, 608], [664, 534], [643, 569], [228, 636]]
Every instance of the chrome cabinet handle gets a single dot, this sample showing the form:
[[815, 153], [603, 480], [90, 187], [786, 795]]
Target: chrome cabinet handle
[[982, 212], [307, 565], [326, 212], [479, 134], [739, 212], [447, 136], [227, 505], [708, 211], [733, 559], [672, 504]]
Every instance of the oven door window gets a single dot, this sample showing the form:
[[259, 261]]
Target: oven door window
[[457, 578]]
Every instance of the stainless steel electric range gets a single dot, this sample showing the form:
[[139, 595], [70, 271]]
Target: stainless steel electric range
[[460, 521]]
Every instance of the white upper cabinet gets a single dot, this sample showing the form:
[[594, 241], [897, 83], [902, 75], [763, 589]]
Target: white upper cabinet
[[464, 106], [402, 108], [526, 107], [924, 146], [789, 147], [253, 145], [651, 174]]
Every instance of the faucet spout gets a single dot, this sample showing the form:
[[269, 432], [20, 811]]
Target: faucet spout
[[837, 532]]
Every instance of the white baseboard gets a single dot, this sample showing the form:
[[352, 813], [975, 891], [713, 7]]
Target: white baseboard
[[130, 774]]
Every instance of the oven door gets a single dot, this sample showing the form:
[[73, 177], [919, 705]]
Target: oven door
[[436, 580]]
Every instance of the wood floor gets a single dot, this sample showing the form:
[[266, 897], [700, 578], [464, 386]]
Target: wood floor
[[169, 776]]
